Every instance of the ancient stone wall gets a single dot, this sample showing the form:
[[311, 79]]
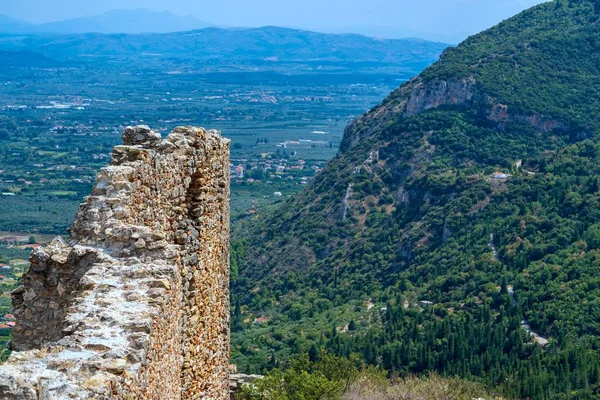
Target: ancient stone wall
[[136, 304]]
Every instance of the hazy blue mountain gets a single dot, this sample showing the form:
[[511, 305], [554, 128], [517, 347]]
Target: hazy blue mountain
[[270, 44], [12, 25], [25, 59], [116, 21], [400, 32]]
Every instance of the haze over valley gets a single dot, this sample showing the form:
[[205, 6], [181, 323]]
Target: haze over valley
[[448, 22], [283, 96], [410, 218]]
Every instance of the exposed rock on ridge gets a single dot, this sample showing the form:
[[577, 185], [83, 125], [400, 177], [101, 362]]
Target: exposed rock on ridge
[[418, 96], [438, 93]]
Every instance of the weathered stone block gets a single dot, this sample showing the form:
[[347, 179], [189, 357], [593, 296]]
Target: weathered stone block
[[141, 134]]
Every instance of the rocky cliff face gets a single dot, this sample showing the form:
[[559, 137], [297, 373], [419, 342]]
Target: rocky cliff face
[[418, 96], [374, 121], [136, 304], [437, 93]]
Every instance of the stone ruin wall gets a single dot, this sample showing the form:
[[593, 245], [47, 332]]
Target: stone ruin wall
[[136, 304]]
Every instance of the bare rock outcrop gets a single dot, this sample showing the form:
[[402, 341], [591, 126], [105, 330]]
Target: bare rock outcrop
[[418, 96], [455, 92], [237, 382], [135, 305]]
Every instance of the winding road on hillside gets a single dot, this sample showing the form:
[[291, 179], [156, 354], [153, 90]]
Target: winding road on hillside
[[542, 341]]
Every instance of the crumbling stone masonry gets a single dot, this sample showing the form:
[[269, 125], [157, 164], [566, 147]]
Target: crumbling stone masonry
[[136, 304]]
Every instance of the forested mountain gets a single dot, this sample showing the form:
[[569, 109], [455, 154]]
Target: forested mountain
[[25, 59], [461, 215], [268, 44]]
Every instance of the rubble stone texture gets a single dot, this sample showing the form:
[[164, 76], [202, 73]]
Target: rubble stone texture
[[135, 305], [238, 381]]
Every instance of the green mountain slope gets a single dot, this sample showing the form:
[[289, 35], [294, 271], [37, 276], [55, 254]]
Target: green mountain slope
[[25, 59], [460, 215]]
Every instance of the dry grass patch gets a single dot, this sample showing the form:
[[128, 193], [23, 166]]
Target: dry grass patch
[[433, 387]]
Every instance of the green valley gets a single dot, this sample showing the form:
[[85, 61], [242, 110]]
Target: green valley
[[63, 109]]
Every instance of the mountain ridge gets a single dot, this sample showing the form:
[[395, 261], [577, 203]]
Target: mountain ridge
[[25, 59], [114, 21], [11, 24], [498, 139], [273, 43]]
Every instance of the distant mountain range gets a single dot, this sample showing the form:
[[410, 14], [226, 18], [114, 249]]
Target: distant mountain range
[[25, 59], [149, 21], [11, 25], [267, 44], [117, 21], [400, 32]]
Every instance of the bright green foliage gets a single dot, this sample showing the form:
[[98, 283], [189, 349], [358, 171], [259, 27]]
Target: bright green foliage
[[326, 379], [293, 385]]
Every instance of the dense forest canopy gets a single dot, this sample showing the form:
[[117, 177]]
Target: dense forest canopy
[[459, 239]]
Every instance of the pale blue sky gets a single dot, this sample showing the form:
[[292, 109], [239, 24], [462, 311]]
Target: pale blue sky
[[384, 17]]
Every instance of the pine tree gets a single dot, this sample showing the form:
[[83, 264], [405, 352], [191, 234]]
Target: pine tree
[[352, 325]]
